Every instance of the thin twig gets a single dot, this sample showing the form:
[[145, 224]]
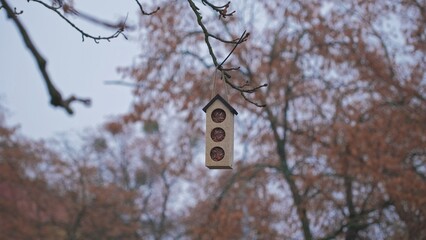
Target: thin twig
[[120, 25], [243, 38], [143, 11], [83, 33], [223, 40], [252, 102], [222, 10]]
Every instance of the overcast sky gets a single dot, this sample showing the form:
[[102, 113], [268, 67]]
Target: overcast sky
[[75, 67]]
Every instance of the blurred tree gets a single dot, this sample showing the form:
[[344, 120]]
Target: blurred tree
[[342, 134], [49, 196], [109, 188]]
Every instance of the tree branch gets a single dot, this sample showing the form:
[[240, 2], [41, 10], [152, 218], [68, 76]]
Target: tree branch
[[222, 10], [242, 39], [119, 25], [55, 96], [143, 11], [83, 33], [195, 9]]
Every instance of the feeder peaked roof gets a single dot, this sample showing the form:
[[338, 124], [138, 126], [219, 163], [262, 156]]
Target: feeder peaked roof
[[218, 97]]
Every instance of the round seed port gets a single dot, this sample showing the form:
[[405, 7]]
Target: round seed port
[[217, 134], [217, 154], [218, 115]]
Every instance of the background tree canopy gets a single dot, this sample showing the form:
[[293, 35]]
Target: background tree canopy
[[337, 152]]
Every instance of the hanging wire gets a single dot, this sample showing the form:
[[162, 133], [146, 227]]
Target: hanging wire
[[214, 83], [214, 79]]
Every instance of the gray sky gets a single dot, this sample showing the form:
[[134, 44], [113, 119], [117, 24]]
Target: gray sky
[[76, 67]]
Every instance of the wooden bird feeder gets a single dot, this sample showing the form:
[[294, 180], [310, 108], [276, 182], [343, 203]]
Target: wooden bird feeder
[[219, 133]]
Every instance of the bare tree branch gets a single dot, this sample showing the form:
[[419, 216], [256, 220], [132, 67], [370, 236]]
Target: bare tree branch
[[83, 33], [56, 98], [119, 25], [195, 9], [242, 39], [252, 102], [143, 11], [222, 10]]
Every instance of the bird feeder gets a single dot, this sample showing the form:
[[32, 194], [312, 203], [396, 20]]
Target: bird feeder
[[219, 133]]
